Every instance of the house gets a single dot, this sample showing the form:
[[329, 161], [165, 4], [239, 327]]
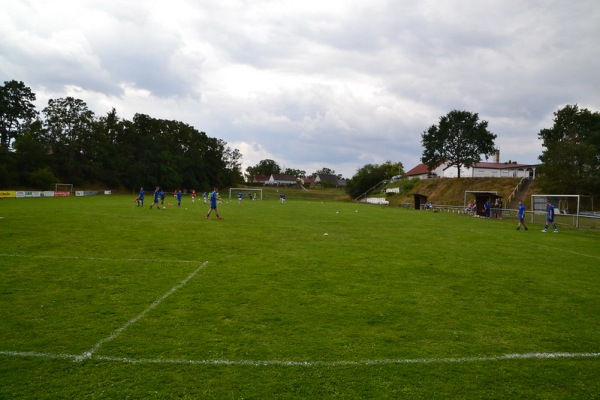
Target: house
[[422, 171], [329, 179], [306, 181], [280, 179], [260, 179], [494, 169]]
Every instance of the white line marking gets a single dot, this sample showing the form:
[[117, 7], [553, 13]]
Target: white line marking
[[38, 355], [566, 251], [132, 321], [541, 245], [99, 258], [266, 363]]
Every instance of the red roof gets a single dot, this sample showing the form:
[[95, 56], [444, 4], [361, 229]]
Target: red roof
[[260, 178], [420, 169], [282, 177]]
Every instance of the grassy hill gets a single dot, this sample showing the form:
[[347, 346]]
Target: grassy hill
[[451, 191]]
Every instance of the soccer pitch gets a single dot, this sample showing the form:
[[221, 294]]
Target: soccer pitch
[[308, 299]]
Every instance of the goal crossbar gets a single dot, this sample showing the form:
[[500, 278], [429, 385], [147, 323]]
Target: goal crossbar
[[63, 187]]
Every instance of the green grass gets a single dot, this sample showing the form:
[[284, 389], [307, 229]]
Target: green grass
[[391, 303]]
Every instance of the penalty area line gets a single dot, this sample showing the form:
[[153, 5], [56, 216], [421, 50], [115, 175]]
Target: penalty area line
[[266, 363], [141, 315]]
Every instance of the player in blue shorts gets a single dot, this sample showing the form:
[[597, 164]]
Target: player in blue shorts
[[156, 198], [179, 194], [140, 199], [521, 216], [550, 217], [213, 203]]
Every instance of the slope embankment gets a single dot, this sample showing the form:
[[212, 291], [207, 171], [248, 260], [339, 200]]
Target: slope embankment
[[451, 191]]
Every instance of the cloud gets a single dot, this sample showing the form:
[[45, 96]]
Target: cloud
[[313, 84]]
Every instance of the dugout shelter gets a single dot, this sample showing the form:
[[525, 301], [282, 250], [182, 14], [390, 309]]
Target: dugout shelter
[[420, 199], [480, 198]]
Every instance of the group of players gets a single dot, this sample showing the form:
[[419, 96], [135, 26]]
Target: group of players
[[214, 196], [159, 196], [549, 217]]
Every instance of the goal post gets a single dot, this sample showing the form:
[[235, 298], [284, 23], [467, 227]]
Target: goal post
[[256, 194], [567, 208], [63, 187]]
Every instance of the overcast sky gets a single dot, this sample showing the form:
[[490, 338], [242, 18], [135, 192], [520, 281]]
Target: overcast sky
[[313, 84]]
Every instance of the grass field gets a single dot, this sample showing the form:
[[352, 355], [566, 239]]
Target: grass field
[[310, 299]]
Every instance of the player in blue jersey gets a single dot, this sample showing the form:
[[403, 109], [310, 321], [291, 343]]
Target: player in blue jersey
[[521, 216], [179, 194], [550, 217], [140, 199], [240, 197], [156, 198], [487, 206], [213, 203]]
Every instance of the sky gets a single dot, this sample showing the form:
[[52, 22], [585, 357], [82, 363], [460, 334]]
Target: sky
[[313, 84]]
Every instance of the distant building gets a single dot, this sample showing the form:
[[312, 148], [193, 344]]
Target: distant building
[[494, 169], [280, 179], [329, 179], [260, 179]]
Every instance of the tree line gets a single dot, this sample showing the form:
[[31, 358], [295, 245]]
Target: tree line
[[66, 142]]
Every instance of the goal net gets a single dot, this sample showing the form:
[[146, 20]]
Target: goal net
[[569, 209], [254, 194], [63, 187]]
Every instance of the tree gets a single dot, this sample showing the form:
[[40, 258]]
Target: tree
[[326, 171], [264, 167], [67, 143], [16, 111], [68, 127], [298, 173], [233, 165], [459, 140], [571, 160], [370, 175], [31, 153]]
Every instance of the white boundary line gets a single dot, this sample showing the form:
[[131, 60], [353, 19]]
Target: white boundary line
[[141, 315], [100, 258], [278, 363]]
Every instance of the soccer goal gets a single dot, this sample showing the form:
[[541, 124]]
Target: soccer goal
[[255, 194], [569, 209], [63, 187]]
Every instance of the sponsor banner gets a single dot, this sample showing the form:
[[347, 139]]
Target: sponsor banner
[[4, 194], [108, 192], [62, 194], [21, 194], [86, 193]]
